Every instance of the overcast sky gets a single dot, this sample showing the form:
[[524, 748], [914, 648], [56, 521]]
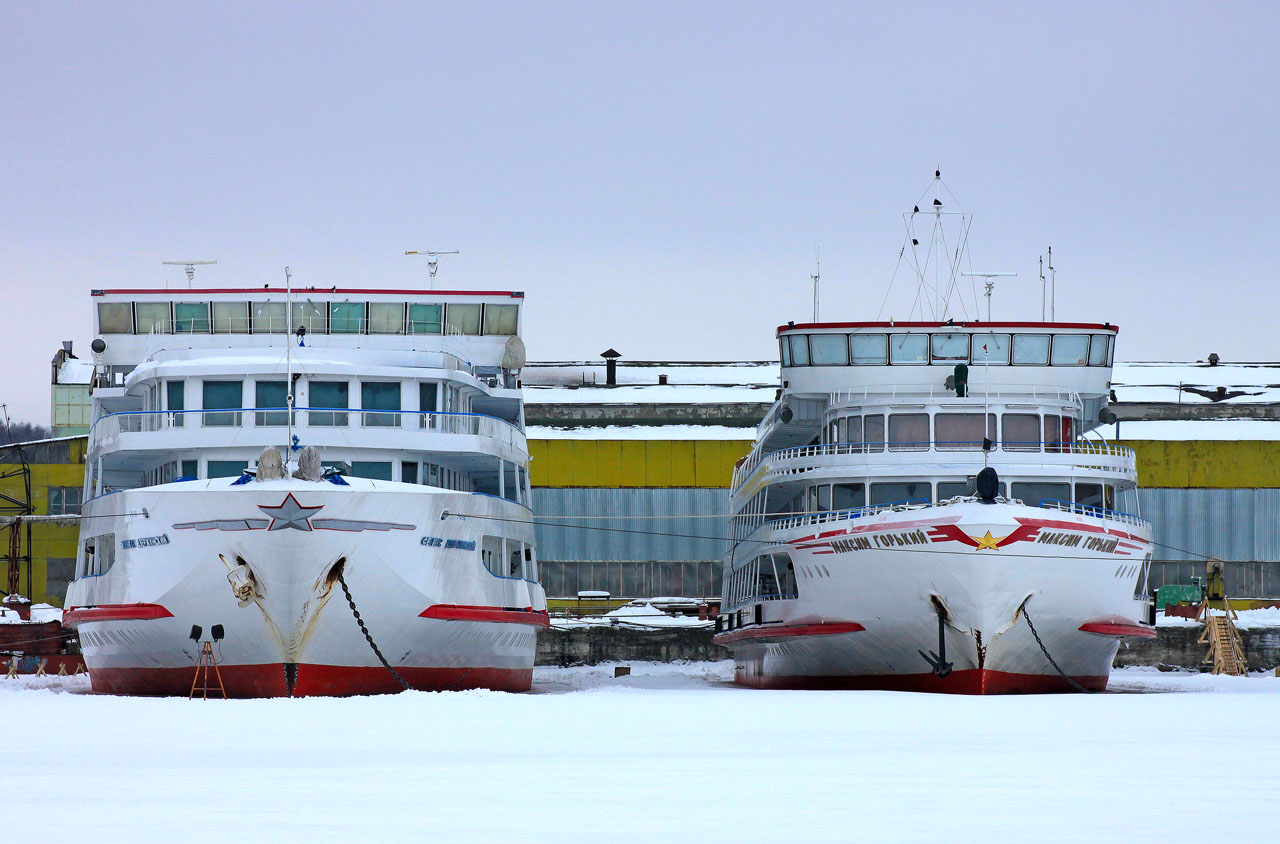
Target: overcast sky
[[654, 175]]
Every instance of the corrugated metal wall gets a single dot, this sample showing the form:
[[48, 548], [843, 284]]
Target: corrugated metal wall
[[1240, 526]]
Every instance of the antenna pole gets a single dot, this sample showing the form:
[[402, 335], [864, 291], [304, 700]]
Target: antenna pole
[[817, 277], [1042, 289], [1053, 288], [288, 357], [190, 269], [433, 262]]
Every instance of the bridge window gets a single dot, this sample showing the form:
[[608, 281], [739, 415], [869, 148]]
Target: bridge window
[[895, 493], [333, 397], [462, 319], [874, 432], [847, 496], [191, 317], [908, 431], [115, 318], [269, 318], [1033, 492], [1100, 350], [950, 348], [869, 349], [152, 316], [386, 317], [311, 315], [962, 431], [426, 319], [799, 349], [225, 396], [1070, 349], [1021, 431], [1096, 495], [346, 318], [1031, 350], [784, 349], [909, 349], [230, 317], [992, 349], [829, 349], [500, 319], [951, 489]]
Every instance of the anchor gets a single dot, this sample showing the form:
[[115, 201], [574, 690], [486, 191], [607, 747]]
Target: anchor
[[939, 660]]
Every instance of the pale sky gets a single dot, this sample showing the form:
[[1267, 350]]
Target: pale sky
[[653, 175]]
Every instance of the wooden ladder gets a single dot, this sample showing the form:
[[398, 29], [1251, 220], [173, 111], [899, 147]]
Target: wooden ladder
[[206, 662], [1226, 648]]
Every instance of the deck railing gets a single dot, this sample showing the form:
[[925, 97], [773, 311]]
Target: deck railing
[[1096, 512]]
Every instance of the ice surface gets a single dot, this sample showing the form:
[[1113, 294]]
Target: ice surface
[[671, 752]]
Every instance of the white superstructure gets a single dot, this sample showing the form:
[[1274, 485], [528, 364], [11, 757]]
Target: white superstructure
[[419, 506]]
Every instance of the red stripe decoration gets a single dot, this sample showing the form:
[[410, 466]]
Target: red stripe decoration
[[804, 326], [500, 615], [787, 631], [114, 612], [1119, 628]]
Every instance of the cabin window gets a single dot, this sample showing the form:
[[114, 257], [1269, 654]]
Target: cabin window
[[500, 319], [899, 493], [1090, 495], [950, 348], [462, 319], [873, 431], [784, 349], [226, 468], [829, 349], [266, 396], [224, 396], [1052, 432], [175, 392], [312, 316], [427, 392], [346, 318], [951, 489], [332, 396], [868, 349], [1021, 431], [962, 431], [115, 318], [1034, 492], [426, 319], [408, 472], [269, 318], [190, 470], [1098, 349], [374, 470], [847, 496], [1070, 349], [991, 349], [191, 317], [1030, 350], [152, 316], [383, 396], [853, 431], [230, 317], [491, 554], [908, 431], [823, 502], [386, 317], [799, 350], [908, 349]]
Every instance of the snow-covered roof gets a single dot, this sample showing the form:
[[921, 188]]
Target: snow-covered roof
[[1192, 429], [75, 371], [1187, 383]]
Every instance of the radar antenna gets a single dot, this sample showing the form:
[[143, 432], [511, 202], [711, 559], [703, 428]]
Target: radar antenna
[[191, 268], [989, 285], [433, 261]]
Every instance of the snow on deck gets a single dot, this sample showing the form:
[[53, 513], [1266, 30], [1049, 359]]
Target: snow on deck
[[669, 753]]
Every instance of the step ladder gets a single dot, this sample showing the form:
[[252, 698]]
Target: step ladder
[[1226, 648], [201, 683]]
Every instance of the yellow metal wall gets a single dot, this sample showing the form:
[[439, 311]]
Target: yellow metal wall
[[1207, 464], [46, 540]]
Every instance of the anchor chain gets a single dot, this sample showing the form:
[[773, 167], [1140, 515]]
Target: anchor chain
[[365, 630], [1052, 662]]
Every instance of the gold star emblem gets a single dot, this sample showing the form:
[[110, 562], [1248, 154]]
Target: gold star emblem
[[989, 541]]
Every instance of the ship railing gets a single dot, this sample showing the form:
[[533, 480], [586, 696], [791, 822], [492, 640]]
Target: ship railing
[[882, 393], [1096, 512], [818, 518], [474, 424]]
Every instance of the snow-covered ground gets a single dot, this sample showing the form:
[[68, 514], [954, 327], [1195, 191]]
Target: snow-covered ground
[[671, 752]]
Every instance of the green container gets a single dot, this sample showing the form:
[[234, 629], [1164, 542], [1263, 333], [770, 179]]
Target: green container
[[1177, 593]]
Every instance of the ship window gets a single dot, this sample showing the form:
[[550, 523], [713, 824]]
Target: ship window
[[462, 319], [908, 431], [345, 318], [991, 349], [152, 316], [380, 396], [1070, 349], [868, 349], [500, 319], [1033, 492], [226, 468], [1052, 432], [799, 349], [515, 558], [896, 493], [408, 472], [374, 470], [386, 317], [1090, 495], [425, 319], [823, 501], [230, 317], [191, 317], [962, 431], [1021, 431], [784, 347], [853, 432], [1098, 349], [829, 349], [175, 391], [530, 563], [225, 396], [269, 318], [950, 489], [270, 394], [190, 470], [908, 348], [491, 553], [115, 318], [311, 315], [874, 431], [950, 348], [1031, 349], [847, 496], [331, 396]]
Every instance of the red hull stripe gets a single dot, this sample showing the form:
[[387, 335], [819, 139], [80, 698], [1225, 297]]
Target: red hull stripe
[[1118, 628], [783, 632], [114, 612], [250, 681], [457, 612], [971, 681]]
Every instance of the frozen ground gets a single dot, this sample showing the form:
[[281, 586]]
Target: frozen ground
[[670, 753]]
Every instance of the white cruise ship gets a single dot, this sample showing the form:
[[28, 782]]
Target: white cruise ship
[[263, 459], [923, 510]]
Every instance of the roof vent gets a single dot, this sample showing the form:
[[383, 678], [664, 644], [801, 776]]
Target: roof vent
[[610, 366], [1213, 358]]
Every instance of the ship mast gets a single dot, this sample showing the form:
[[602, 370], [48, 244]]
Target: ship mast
[[288, 358]]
